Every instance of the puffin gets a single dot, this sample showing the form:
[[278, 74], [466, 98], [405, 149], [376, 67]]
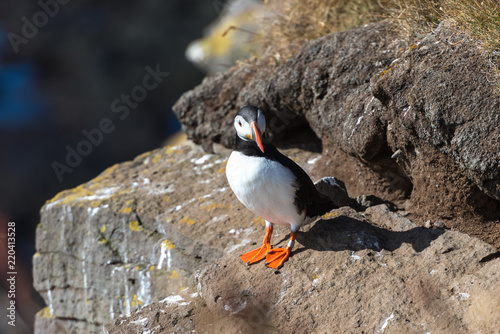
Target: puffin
[[271, 186]]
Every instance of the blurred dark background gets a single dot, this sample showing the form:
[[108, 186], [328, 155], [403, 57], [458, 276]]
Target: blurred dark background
[[62, 78]]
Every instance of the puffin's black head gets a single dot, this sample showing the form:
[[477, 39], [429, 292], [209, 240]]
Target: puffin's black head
[[250, 124]]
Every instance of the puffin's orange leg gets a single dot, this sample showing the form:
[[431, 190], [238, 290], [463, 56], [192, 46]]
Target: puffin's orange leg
[[260, 253], [276, 257]]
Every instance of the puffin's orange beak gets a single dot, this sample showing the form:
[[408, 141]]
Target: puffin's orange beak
[[256, 135]]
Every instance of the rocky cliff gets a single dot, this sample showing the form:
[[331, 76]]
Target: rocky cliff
[[423, 118], [152, 245], [135, 234], [374, 272]]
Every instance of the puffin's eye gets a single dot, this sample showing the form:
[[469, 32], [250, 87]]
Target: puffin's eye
[[239, 123]]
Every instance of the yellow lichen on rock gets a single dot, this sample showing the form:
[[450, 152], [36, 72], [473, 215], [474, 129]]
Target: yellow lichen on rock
[[329, 215], [68, 196], [136, 300], [126, 210], [142, 156], [166, 244], [173, 149], [384, 72], [107, 172], [45, 312], [174, 275], [214, 206], [134, 225], [156, 158], [86, 192], [187, 220]]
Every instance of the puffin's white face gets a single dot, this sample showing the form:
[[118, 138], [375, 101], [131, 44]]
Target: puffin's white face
[[244, 129], [251, 129]]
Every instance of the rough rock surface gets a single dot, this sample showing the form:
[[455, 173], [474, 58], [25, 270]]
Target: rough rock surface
[[134, 235], [375, 272], [124, 244], [331, 73], [443, 112], [421, 121], [325, 86]]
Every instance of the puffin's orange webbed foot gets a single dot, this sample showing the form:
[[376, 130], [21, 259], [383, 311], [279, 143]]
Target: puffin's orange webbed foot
[[276, 257], [260, 253], [256, 255]]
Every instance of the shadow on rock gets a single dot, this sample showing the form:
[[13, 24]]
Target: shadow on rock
[[237, 302], [347, 233]]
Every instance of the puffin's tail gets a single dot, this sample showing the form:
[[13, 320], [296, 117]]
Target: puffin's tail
[[321, 207]]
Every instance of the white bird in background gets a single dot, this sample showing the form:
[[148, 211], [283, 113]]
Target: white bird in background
[[230, 37]]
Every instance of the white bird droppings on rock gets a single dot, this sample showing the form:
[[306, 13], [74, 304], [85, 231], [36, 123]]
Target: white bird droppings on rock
[[175, 299], [313, 160], [355, 257], [386, 322], [202, 160]]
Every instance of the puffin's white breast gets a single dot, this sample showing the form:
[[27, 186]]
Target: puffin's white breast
[[265, 187]]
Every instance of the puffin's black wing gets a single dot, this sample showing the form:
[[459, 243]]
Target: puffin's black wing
[[307, 197]]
